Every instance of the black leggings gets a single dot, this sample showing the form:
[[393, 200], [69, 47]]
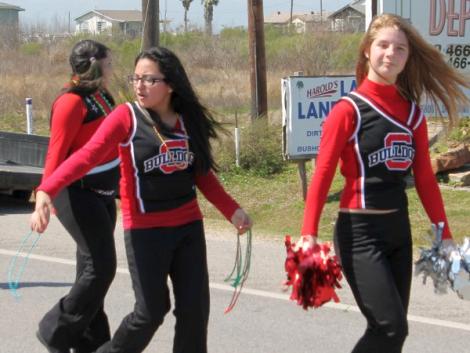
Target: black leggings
[[153, 255], [78, 319], [376, 255]]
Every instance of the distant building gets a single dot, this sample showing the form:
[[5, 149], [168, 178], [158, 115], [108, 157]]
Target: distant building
[[128, 22], [349, 18], [9, 14], [9, 23], [301, 22], [45, 37]]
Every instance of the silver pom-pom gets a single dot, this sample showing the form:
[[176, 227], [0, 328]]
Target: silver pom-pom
[[434, 262], [459, 273]]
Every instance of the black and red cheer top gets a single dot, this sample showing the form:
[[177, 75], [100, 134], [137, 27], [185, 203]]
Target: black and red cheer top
[[378, 137], [74, 120], [146, 171]]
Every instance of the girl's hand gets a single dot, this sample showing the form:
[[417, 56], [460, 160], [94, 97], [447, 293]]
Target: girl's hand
[[42, 211], [306, 242], [241, 221]]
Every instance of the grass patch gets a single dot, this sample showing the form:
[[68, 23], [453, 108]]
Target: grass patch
[[276, 206]]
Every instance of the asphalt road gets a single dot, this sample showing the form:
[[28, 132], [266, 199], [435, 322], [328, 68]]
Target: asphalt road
[[264, 320]]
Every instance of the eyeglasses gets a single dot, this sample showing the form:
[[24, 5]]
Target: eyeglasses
[[147, 81]]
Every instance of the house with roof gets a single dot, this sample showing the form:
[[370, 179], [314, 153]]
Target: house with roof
[[349, 18], [9, 23], [9, 14], [301, 22], [127, 22]]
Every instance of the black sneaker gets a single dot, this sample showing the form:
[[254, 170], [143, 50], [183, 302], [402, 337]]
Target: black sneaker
[[49, 348]]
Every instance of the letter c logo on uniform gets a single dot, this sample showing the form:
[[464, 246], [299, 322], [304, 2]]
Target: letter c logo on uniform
[[400, 149]]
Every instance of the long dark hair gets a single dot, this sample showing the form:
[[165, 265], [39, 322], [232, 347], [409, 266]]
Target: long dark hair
[[198, 120], [87, 75]]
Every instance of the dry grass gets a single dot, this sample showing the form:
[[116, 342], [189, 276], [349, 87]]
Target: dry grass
[[218, 67], [30, 72]]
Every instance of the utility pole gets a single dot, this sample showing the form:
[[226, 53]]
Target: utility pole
[[164, 18], [151, 23], [321, 11], [291, 12], [259, 101], [374, 8]]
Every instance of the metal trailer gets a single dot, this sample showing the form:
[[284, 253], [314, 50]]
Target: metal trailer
[[22, 159]]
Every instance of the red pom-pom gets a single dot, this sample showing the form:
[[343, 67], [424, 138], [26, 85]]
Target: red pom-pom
[[313, 274]]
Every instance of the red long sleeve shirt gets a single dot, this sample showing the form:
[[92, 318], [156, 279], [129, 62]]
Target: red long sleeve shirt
[[335, 146], [115, 131], [69, 132]]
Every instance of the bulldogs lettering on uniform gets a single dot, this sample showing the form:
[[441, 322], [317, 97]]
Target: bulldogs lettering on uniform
[[397, 153], [173, 156]]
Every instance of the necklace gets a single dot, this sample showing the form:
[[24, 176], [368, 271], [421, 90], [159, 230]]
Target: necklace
[[167, 149], [159, 137], [157, 133], [97, 102]]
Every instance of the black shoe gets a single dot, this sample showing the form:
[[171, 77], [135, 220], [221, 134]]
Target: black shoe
[[49, 348]]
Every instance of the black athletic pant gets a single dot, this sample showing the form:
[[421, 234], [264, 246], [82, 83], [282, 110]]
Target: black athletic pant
[[153, 255], [376, 255], [78, 319]]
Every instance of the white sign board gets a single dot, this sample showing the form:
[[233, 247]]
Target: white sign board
[[306, 102]]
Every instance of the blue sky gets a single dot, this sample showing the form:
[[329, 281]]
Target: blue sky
[[227, 13]]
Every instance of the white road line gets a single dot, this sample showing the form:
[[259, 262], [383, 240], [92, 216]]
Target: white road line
[[259, 293]]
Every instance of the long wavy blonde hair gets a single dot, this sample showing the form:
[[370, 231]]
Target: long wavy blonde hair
[[426, 70]]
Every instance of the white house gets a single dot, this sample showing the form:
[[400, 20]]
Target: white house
[[9, 14], [349, 18], [301, 22], [9, 31], [128, 22]]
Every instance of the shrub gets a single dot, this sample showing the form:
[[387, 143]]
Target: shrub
[[31, 49], [260, 150], [461, 133]]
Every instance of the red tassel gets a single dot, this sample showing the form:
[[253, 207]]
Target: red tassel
[[313, 274]]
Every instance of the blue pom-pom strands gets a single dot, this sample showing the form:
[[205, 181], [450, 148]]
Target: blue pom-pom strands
[[446, 268], [239, 273], [15, 272], [434, 263], [459, 274]]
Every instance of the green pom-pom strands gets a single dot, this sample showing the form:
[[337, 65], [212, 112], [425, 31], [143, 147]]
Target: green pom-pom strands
[[240, 271]]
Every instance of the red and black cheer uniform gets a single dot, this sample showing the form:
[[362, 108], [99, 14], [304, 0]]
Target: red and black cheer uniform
[[162, 220], [74, 120], [379, 137], [163, 169], [87, 211]]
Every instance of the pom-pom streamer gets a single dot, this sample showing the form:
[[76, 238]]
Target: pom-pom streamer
[[14, 274], [240, 271], [459, 274], [434, 263], [446, 269], [313, 274]]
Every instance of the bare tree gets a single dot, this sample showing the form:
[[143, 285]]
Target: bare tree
[[186, 4], [209, 14]]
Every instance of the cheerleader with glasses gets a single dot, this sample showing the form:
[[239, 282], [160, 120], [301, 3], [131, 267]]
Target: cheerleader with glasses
[[164, 146]]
